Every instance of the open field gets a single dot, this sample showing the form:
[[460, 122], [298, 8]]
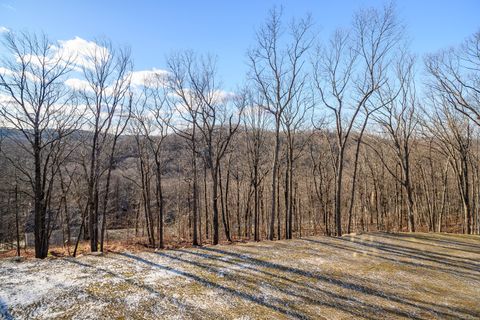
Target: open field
[[375, 276]]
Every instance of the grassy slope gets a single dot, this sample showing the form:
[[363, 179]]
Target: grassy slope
[[375, 276]]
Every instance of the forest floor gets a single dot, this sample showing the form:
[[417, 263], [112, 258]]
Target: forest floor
[[374, 276]]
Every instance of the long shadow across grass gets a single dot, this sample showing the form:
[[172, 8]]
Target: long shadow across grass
[[193, 309], [391, 254], [445, 239], [432, 242], [306, 292], [354, 286], [349, 246], [470, 267], [209, 283], [468, 263]]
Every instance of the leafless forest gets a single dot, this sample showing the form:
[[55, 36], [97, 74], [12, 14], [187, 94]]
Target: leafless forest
[[329, 134]]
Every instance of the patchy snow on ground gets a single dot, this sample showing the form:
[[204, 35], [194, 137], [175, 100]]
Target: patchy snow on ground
[[371, 276]]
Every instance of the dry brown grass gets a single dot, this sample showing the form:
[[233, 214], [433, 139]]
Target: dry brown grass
[[367, 276]]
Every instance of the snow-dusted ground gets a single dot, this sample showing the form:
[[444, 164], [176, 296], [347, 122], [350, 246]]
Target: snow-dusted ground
[[375, 276]]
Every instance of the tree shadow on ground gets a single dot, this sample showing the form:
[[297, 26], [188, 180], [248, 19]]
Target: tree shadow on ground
[[412, 258], [394, 254], [295, 290], [157, 294], [303, 291], [283, 280], [211, 284], [434, 241], [355, 287], [469, 267], [433, 252]]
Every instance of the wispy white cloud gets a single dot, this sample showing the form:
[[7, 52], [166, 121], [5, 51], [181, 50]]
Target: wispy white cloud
[[221, 95], [78, 84], [17, 74], [84, 86], [6, 72], [148, 77], [9, 7], [81, 51], [4, 29], [5, 99]]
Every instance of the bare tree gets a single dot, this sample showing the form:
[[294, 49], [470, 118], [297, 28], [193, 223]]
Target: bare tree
[[212, 113], [276, 71], [38, 106], [256, 122], [144, 168], [293, 122], [123, 116], [153, 117], [186, 104], [398, 119], [107, 73], [347, 73], [456, 75], [453, 136], [454, 85]]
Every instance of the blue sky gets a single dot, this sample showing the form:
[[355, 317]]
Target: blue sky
[[153, 29]]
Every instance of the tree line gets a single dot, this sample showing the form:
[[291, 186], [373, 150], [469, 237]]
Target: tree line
[[349, 134]]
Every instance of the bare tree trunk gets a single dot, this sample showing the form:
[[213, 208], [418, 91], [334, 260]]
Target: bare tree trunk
[[207, 221], [276, 151], [224, 203], [290, 208], [256, 234], [195, 192], [82, 225], [408, 189], [160, 206], [17, 228], [354, 177], [444, 198], [278, 206], [239, 223], [338, 193], [215, 206]]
